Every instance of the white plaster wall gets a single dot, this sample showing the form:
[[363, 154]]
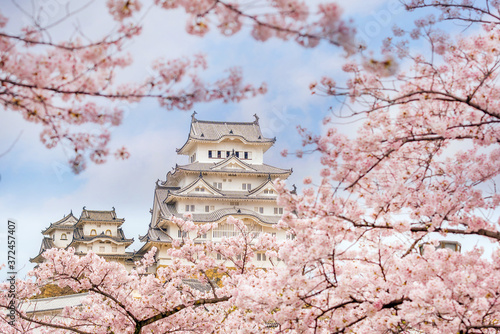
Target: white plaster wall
[[221, 204], [100, 227], [202, 149], [56, 235]]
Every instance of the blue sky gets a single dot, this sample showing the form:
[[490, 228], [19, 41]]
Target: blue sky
[[37, 187]]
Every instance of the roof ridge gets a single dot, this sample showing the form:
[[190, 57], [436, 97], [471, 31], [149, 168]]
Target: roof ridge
[[224, 122], [64, 218], [98, 210], [196, 181]]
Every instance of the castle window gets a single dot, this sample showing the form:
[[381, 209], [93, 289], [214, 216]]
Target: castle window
[[114, 249], [444, 244], [237, 154], [219, 256], [108, 232], [182, 234], [224, 230], [190, 208], [451, 245], [246, 186], [247, 155], [259, 209], [207, 208], [64, 236], [210, 154], [200, 189], [268, 192], [217, 185], [228, 153], [219, 154], [101, 249], [89, 248], [278, 211], [93, 232], [234, 203], [261, 257], [193, 157]]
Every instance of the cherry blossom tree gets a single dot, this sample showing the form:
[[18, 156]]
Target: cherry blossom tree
[[363, 251], [423, 166], [64, 85], [136, 302]]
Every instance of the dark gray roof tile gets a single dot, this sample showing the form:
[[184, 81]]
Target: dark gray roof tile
[[257, 169], [215, 130]]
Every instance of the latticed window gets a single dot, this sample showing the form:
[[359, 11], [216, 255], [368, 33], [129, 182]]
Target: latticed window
[[228, 230], [224, 230]]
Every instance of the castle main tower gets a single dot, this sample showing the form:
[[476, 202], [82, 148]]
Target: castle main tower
[[226, 176]]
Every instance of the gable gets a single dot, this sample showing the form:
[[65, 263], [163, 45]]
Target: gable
[[199, 187], [233, 163]]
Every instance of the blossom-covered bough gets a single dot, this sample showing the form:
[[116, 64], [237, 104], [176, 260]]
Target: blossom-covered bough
[[67, 85]]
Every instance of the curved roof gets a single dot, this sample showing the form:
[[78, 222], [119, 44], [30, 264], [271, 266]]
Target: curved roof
[[169, 210], [79, 236], [47, 243], [216, 130], [66, 223], [211, 168], [156, 234], [99, 216]]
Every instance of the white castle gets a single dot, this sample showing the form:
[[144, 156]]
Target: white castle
[[226, 176]]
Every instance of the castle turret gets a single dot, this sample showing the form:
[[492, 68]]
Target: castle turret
[[97, 231]]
